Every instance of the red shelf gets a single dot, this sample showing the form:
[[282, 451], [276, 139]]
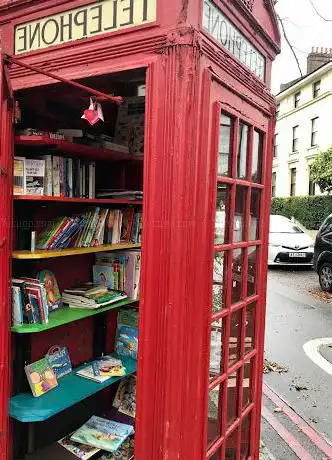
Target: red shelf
[[75, 200], [75, 149]]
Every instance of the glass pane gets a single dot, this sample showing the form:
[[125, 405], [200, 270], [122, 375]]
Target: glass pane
[[255, 205], [225, 139], [219, 268], [257, 157], [252, 271], [231, 443], [242, 150], [250, 327], [237, 274], [245, 438], [235, 338], [232, 398], [216, 349], [222, 214], [240, 209], [214, 412], [247, 384]]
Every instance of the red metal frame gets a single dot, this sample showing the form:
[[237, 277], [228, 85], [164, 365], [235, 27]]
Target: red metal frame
[[190, 79]]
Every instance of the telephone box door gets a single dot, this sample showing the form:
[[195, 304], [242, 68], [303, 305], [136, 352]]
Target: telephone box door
[[240, 143]]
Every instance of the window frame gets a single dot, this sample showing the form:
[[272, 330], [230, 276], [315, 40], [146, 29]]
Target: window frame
[[297, 99], [275, 146], [314, 132], [295, 140], [316, 88], [273, 184], [292, 190]]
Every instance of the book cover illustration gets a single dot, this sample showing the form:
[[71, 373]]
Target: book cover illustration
[[54, 299], [108, 366], [81, 451], [59, 361], [127, 341], [125, 451], [128, 398], [19, 176], [103, 275], [34, 176], [88, 373], [103, 434], [41, 377]]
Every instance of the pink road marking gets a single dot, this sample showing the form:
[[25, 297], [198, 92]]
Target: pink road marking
[[286, 435], [315, 437]]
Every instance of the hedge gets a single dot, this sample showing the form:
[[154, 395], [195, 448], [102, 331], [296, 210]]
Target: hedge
[[310, 211]]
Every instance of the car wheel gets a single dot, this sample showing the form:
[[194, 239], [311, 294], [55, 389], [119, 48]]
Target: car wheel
[[325, 276]]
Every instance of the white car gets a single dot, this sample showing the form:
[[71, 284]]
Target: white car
[[288, 243]]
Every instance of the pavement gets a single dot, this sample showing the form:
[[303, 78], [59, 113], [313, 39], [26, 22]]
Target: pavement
[[297, 403]]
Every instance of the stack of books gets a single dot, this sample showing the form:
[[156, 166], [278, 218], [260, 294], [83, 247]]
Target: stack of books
[[120, 270], [93, 228], [51, 175], [103, 369], [91, 297]]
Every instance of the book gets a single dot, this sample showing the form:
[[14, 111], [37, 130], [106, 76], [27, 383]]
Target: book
[[125, 397], [126, 341], [103, 434], [108, 366], [34, 176], [125, 451], [19, 176], [93, 302], [44, 238], [17, 306], [56, 175], [88, 373], [103, 275], [127, 224], [70, 178], [81, 451], [48, 185], [41, 377], [59, 360], [36, 303], [53, 296]]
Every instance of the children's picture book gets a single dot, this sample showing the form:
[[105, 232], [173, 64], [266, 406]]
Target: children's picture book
[[81, 451], [103, 434], [126, 342], [108, 366], [19, 176], [88, 373], [104, 275], [34, 176], [41, 377], [125, 397], [59, 360], [54, 299]]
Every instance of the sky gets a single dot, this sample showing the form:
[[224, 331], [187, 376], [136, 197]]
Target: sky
[[304, 29]]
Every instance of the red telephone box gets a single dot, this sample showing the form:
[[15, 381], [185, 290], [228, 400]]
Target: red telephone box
[[206, 172]]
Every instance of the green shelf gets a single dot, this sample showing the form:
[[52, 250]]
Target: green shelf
[[68, 315], [71, 390]]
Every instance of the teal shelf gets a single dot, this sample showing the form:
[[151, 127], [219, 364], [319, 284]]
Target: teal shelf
[[72, 389], [68, 315]]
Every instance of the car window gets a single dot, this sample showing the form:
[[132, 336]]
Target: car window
[[283, 226]]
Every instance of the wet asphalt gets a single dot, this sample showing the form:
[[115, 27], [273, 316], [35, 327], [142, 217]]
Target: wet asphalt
[[293, 318]]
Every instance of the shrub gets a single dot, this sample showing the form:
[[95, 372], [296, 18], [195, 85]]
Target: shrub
[[310, 211]]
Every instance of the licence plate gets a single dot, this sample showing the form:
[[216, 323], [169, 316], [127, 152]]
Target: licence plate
[[297, 254]]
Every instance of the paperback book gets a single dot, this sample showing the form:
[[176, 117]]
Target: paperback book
[[81, 451], [34, 176], [103, 434], [41, 377]]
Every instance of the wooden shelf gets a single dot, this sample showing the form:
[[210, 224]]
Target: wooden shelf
[[71, 390], [70, 148], [62, 199], [51, 253], [68, 315]]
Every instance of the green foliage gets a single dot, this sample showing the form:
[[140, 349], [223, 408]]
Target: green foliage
[[310, 211], [321, 170]]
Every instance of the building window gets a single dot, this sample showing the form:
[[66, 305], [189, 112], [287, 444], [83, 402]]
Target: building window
[[312, 185], [297, 98], [295, 142], [316, 89], [275, 148], [278, 110], [314, 132], [274, 184], [292, 181]]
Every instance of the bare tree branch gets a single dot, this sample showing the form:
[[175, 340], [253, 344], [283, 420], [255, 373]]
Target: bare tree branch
[[318, 13], [289, 44]]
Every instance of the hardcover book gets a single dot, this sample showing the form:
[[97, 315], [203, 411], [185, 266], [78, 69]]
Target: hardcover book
[[34, 176], [41, 377], [103, 434]]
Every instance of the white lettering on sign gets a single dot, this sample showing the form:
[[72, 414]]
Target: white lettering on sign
[[88, 21], [231, 38]]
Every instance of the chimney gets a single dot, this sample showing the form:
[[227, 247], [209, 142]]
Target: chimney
[[317, 58]]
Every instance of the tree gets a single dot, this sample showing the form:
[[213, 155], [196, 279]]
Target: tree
[[321, 170]]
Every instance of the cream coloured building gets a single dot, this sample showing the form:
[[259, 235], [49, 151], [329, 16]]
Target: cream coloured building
[[304, 128]]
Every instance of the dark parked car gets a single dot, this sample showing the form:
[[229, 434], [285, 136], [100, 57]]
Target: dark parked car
[[323, 254]]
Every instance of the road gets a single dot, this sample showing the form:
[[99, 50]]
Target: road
[[294, 317]]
